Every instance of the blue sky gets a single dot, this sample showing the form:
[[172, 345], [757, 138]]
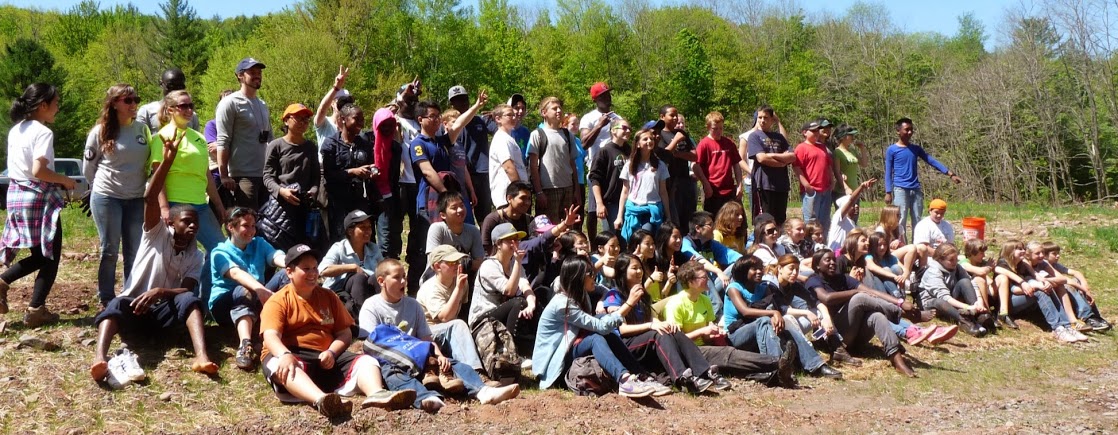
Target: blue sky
[[911, 16]]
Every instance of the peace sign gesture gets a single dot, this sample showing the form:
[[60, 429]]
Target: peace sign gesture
[[339, 80]]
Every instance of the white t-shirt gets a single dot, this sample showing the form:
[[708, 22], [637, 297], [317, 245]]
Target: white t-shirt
[[157, 264], [501, 149], [644, 188], [587, 122], [748, 161], [932, 233], [489, 288], [28, 141], [840, 227], [409, 129]]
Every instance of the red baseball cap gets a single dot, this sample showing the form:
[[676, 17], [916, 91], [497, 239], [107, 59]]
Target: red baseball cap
[[598, 89]]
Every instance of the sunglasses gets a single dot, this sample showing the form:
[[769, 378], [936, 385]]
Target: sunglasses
[[184, 106], [771, 231], [130, 100], [241, 211]]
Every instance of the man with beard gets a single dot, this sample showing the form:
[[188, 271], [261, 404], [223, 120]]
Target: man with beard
[[243, 132]]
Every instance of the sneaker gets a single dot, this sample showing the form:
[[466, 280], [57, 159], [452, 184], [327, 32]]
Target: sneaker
[[332, 406], [130, 365], [244, 359], [943, 334], [495, 395], [1082, 326], [633, 388], [526, 364], [1004, 319], [390, 400], [916, 335], [432, 404], [1098, 324], [658, 388], [1063, 335], [116, 377], [1078, 336], [720, 383], [36, 317]]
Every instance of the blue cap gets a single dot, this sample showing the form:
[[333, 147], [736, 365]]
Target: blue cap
[[247, 64], [654, 125]]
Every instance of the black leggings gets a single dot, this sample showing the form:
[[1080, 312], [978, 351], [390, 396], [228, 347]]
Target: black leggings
[[962, 292], [771, 202], [47, 267], [523, 330], [674, 353]]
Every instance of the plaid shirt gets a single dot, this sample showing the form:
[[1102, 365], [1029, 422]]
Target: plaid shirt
[[34, 217]]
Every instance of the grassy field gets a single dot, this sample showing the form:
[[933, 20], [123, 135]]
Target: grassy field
[[1016, 381]]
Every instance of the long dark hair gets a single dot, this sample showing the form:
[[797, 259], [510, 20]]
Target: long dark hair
[[565, 244], [635, 154], [620, 270], [663, 236], [574, 271], [34, 96], [108, 120]]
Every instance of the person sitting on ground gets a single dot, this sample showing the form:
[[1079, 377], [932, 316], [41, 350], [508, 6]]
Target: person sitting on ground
[[1045, 273], [660, 346], [692, 312], [889, 223], [1078, 289], [349, 264], [239, 264], [815, 233], [306, 332], [796, 240], [947, 288], [608, 246], [765, 246], [754, 320], [715, 257], [163, 290], [981, 270], [1019, 290], [730, 226], [502, 291], [934, 230], [443, 297], [567, 331], [845, 217], [454, 231], [392, 306]]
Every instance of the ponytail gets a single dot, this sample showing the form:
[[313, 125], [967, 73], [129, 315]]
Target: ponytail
[[34, 96]]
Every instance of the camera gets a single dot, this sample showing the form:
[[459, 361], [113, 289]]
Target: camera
[[264, 136]]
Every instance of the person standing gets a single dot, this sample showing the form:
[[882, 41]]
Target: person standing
[[718, 160], [594, 129], [506, 164], [115, 160], [551, 163], [605, 172], [34, 201], [347, 165], [243, 131], [848, 160], [771, 155], [815, 166], [677, 150], [902, 183], [475, 140], [336, 98], [148, 114], [291, 174]]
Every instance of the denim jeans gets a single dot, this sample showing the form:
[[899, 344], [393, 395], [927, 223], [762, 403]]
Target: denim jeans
[[808, 356], [231, 307], [1049, 305], [817, 206], [911, 203], [759, 332], [455, 340], [1083, 309], [209, 235], [396, 378], [119, 222], [610, 352], [716, 290]]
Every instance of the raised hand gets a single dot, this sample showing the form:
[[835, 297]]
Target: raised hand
[[339, 80]]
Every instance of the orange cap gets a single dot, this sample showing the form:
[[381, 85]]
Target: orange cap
[[938, 204], [296, 109]]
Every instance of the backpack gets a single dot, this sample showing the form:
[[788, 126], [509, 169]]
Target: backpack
[[389, 344], [543, 142], [496, 348], [586, 377]]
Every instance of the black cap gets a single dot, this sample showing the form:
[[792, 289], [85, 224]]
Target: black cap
[[297, 251], [247, 64], [355, 217]]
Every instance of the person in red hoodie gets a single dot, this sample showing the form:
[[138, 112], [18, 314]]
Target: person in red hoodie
[[386, 156]]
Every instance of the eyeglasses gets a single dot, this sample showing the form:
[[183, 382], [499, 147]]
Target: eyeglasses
[[623, 127], [184, 106], [130, 100]]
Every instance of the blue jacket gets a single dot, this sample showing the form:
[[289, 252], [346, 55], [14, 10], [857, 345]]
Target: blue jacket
[[560, 323]]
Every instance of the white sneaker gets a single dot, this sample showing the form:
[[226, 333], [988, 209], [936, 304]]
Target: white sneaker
[[1078, 336], [130, 365], [495, 395], [118, 374], [1063, 336], [526, 364], [432, 404]]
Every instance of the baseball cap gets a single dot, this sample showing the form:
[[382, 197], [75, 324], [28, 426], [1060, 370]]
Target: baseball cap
[[839, 203], [542, 224], [445, 253], [816, 124], [342, 93], [247, 63], [938, 204], [517, 97], [297, 251], [506, 231], [355, 217], [296, 109], [598, 89], [657, 124], [455, 91]]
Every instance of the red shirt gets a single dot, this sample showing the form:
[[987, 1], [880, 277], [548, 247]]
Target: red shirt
[[718, 159], [817, 164]]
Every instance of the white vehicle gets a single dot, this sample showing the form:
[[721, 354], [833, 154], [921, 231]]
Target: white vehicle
[[69, 167]]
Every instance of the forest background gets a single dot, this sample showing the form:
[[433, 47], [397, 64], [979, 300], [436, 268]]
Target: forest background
[[1031, 120]]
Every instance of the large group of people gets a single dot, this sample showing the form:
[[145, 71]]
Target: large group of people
[[556, 249]]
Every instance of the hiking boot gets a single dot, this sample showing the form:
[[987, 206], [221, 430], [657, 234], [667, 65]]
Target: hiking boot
[[332, 406], [943, 334], [633, 388], [841, 356], [719, 383], [916, 335], [390, 400], [36, 317], [901, 365], [826, 371], [4, 297], [1004, 319], [431, 378], [450, 384], [129, 365], [244, 358], [786, 365], [495, 395]]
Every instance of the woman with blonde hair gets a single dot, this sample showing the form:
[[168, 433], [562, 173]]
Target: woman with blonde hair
[[730, 226], [115, 160]]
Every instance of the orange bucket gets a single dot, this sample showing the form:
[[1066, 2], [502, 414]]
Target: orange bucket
[[974, 228]]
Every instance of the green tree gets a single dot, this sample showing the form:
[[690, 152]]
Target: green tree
[[181, 38], [695, 77], [24, 62]]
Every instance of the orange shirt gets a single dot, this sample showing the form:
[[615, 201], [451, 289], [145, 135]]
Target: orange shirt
[[306, 323]]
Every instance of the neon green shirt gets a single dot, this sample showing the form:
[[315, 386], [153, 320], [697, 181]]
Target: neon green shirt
[[689, 315], [189, 175]]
